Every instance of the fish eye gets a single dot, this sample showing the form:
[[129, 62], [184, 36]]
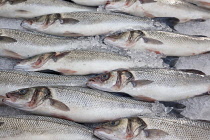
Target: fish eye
[[105, 77], [114, 123], [23, 91]]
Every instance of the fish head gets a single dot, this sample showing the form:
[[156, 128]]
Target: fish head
[[124, 129], [41, 22], [112, 81], [27, 99], [124, 40], [34, 63]]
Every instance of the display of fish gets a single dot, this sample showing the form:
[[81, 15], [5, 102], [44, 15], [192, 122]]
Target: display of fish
[[80, 62], [13, 80], [180, 9], [202, 3], [24, 127], [153, 84], [80, 104], [153, 128], [23, 44], [160, 42], [94, 23], [34, 8], [91, 2], [198, 27], [199, 62]]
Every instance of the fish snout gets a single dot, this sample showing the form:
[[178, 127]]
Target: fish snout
[[10, 97], [26, 23]]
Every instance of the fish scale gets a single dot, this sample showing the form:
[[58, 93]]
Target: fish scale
[[34, 127]]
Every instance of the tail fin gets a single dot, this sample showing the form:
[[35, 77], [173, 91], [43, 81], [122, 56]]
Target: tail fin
[[170, 21], [171, 60]]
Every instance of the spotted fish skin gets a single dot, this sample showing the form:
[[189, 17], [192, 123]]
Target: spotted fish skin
[[34, 8], [98, 23], [39, 127]]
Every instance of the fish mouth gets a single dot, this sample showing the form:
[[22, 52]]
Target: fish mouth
[[26, 23]]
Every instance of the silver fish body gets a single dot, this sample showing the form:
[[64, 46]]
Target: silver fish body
[[79, 104], [10, 23], [33, 8], [79, 62], [90, 23], [11, 80], [160, 42], [180, 9], [198, 27], [24, 127], [91, 2], [153, 128], [153, 84], [22, 44]]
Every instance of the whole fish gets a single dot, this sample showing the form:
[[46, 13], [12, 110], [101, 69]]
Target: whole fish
[[80, 104], [199, 62], [91, 2], [93, 23], [195, 27], [22, 44], [24, 127], [34, 8], [202, 3], [80, 62], [153, 84], [153, 128], [160, 42], [180, 9], [11, 80]]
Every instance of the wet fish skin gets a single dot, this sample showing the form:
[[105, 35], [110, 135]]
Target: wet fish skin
[[91, 2], [11, 80], [175, 8], [99, 23], [79, 104], [153, 84], [39, 127], [160, 42], [24, 44], [154, 128], [79, 62], [33, 8]]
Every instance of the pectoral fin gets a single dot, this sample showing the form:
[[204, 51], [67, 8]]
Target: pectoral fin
[[152, 41], [147, 1], [154, 133], [69, 21], [137, 83], [58, 105], [5, 39]]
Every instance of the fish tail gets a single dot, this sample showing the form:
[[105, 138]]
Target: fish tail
[[170, 21], [171, 60]]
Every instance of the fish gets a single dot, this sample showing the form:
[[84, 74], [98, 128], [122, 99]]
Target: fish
[[91, 2], [180, 9], [80, 62], [23, 44], [199, 62], [24, 127], [153, 128], [99, 23], [151, 84], [80, 104], [195, 27], [34, 8], [202, 3], [13, 80], [160, 42]]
